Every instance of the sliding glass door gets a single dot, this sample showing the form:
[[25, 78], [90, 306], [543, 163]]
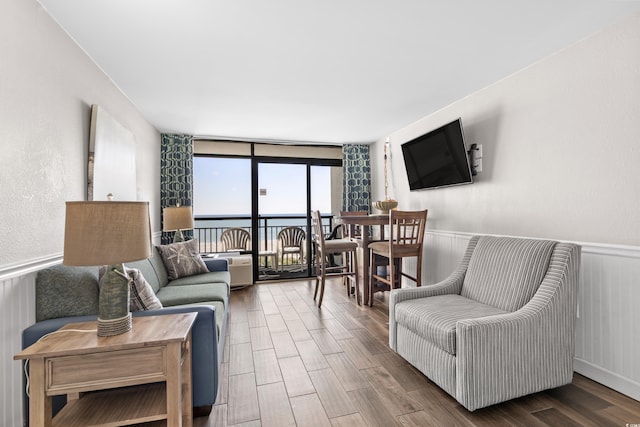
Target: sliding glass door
[[282, 220], [270, 198], [287, 193]]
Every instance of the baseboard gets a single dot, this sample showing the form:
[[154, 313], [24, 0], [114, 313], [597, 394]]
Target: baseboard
[[607, 378]]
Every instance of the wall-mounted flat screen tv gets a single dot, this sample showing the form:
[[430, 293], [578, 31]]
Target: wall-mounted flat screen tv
[[438, 158]]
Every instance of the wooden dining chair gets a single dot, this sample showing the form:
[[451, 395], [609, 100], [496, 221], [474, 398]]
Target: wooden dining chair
[[352, 232], [324, 248], [406, 235]]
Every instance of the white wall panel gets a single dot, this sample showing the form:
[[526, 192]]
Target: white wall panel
[[608, 330], [17, 311]]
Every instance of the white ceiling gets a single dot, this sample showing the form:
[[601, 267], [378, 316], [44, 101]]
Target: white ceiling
[[328, 71]]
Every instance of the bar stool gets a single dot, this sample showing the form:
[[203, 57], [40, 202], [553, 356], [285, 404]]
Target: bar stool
[[323, 248], [353, 233], [406, 235]]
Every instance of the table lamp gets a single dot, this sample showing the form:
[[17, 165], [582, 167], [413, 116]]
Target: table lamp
[[177, 218], [111, 233]]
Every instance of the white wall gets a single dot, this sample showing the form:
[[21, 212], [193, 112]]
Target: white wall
[[47, 86], [561, 143]]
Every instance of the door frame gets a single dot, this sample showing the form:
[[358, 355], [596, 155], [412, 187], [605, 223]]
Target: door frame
[[309, 162]]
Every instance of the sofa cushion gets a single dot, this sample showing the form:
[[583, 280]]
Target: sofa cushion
[[192, 294], [204, 278], [63, 291], [435, 318], [506, 272], [182, 259]]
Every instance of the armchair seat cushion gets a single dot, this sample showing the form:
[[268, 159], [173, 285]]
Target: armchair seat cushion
[[435, 318]]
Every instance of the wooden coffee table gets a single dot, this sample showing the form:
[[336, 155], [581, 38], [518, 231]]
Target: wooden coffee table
[[139, 376]]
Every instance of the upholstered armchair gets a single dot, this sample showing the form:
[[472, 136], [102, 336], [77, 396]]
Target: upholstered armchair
[[501, 326]]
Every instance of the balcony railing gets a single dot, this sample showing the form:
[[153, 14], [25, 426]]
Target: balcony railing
[[209, 228]]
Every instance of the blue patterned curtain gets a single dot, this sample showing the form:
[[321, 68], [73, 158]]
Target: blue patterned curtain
[[356, 183], [176, 175]]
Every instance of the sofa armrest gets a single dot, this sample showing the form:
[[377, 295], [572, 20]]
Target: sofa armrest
[[204, 355], [534, 343], [217, 264]]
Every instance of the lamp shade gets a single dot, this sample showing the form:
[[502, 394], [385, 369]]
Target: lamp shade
[[177, 218], [99, 233]]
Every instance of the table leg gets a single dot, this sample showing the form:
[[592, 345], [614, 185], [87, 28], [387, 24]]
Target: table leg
[[187, 398], [39, 402], [174, 385], [365, 264]]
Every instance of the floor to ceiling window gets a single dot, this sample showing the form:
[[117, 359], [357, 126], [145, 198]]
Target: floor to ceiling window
[[270, 197], [221, 199]]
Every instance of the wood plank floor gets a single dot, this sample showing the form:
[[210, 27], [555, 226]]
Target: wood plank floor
[[288, 363]]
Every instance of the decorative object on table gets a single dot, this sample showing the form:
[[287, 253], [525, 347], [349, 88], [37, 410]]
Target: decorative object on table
[[387, 204], [177, 218], [141, 294], [98, 233]]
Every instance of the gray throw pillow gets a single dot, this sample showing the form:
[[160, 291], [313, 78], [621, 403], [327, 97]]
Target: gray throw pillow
[[182, 259], [141, 295]]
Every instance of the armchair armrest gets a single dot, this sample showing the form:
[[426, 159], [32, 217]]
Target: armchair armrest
[[450, 285], [534, 343]]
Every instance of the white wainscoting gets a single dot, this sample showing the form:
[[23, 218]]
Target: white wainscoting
[[17, 311], [607, 330]]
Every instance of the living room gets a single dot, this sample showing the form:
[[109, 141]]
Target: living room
[[559, 140]]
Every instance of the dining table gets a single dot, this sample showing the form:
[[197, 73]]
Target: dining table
[[365, 222]]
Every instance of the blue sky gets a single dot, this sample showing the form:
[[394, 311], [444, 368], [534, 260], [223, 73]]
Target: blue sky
[[222, 186]]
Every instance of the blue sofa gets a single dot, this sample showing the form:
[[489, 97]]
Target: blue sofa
[[70, 294]]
